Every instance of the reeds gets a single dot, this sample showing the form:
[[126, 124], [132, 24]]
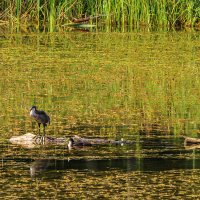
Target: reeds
[[120, 13], [52, 15]]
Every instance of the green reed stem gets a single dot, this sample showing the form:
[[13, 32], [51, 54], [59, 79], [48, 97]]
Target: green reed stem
[[52, 15], [18, 12], [38, 14]]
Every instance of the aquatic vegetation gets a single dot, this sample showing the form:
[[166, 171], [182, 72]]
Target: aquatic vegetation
[[140, 86], [51, 15], [102, 83]]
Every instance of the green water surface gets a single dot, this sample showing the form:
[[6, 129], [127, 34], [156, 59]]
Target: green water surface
[[138, 86]]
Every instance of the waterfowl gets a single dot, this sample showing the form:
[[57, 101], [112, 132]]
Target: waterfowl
[[70, 143], [77, 143], [40, 116]]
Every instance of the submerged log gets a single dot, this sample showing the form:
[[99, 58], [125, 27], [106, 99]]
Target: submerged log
[[30, 140], [79, 141]]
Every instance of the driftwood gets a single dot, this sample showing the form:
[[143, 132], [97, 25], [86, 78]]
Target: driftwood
[[192, 146], [30, 140], [189, 140], [85, 19], [80, 20], [191, 143]]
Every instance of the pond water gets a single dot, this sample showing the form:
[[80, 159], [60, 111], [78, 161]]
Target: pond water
[[141, 86]]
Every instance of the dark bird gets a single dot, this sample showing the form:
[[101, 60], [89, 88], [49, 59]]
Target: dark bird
[[40, 116]]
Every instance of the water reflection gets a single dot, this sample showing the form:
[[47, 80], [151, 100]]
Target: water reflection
[[129, 164], [161, 163]]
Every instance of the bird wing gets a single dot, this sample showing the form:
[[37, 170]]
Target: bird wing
[[44, 117]]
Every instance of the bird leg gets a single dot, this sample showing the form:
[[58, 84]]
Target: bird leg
[[44, 125], [39, 127]]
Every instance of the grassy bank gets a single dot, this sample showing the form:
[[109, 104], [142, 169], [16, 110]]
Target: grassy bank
[[47, 15]]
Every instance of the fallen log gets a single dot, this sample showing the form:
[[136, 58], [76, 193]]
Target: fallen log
[[79, 141], [192, 146], [80, 20], [190, 141], [30, 140], [85, 19]]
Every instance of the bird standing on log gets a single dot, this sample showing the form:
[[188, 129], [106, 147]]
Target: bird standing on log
[[40, 116]]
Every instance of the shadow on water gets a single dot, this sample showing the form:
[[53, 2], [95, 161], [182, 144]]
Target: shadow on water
[[130, 164], [152, 154]]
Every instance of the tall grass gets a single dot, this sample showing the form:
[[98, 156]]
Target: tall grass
[[121, 13]]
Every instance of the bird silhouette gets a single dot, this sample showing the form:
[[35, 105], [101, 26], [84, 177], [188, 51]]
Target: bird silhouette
[[40, 116]]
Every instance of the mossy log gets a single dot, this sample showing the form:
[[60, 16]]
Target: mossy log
[[30, 140]]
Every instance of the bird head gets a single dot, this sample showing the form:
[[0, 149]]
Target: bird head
[[33, 108], [70, 143]]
